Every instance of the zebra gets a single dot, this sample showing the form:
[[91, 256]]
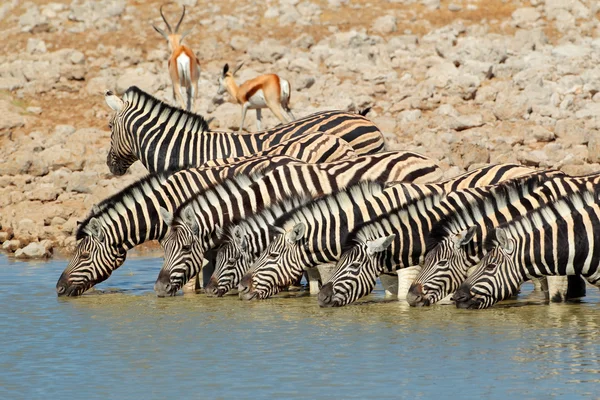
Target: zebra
[[163, 137], [130, 217], [314, 234], [455, 243], [397, 239], [560, 238], [245, 242], [195, 222]]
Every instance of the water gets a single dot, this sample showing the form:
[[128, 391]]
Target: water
[[123, 342]]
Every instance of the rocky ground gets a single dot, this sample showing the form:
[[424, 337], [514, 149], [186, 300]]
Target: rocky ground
[[465, 81]]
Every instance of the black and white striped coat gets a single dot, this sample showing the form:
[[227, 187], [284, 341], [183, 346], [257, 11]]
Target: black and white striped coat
[[132, 217], [398, 239], [314, 234], [163, 137], [195, 223], [455, 242], [560, 238]]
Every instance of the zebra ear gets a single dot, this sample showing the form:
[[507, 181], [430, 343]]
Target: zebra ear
[[95, 229], [166, 215], [503, 240], [464, 237], [189, 217], [95, 209], [296, 233], [380, 244], [113, 101]]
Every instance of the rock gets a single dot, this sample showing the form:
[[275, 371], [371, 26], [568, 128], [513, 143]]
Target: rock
[[41, 249], [34, 110], [4, 236], [532, 158], [141, 78], [10, 117], [464, 154], [385, 124], [92, 11], [454, 7], [525, 16], [571, 132], [578, 170], [409, 116], [36, 46], [594, 147], [44, 193], [571, 51], [239, 43], [385, 24], [463, 122], [590, 110], [77, 57], [11, 245], [304, 82], [32, 19], [541, 134], [268, 51]]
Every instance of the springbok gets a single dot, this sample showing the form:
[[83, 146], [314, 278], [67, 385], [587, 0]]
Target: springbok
[[265, 91], [184, 67]]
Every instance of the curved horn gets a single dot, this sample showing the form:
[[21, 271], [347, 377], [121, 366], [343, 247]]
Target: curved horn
[[164, 19], [237, 68], [180, 19]]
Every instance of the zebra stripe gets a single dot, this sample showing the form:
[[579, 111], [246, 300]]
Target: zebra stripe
[[131, 216], [397, 239], [196, 221], [326, 223], [560, 238], [163, 137], [455, 242]]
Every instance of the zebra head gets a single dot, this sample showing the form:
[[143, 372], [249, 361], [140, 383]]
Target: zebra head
[[92, 262], [356, 272], [120, 155], [183, 253], [495, 278], [233, 260], [444, 269], [277, 267]]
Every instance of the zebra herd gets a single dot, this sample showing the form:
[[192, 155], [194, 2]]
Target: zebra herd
[[263, 209]]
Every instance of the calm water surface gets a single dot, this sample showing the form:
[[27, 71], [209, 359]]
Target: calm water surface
[[123, 342]]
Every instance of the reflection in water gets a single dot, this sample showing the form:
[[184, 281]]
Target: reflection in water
[[123, 342]]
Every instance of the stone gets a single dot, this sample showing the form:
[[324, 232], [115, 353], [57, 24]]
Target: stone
[[36, 46], [463, 122], [571, 51], [11, 245], [454, 7], [409, 116], [464, 154], [34, 110], [77, 57], [541, 134], [10, 116], [41, 249], [239, 43], [267, 51], [385, 24], [141, 78], [594, 147], [525, 16], [590, 110], [571, 132]]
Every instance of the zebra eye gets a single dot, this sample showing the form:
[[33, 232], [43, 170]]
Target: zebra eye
[[442, 263], [186, 247], [354, 268], [490, 267], [232, 260], [273, 255], [85, 255]]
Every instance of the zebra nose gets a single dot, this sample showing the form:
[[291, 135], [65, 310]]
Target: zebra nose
[[211, 288], [414, 297], [462, 296], [245, 284], [326, 295]]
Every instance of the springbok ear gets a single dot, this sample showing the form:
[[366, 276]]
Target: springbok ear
[[225, 69], [113, 101], [503, 240], [166, 215], [380, 244], [189, 217], [296, 233], [464, 237], [95, 229]]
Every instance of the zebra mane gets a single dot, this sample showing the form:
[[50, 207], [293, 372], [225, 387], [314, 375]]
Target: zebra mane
[[261, 218], [368, 229], [547, 214], [475, 208], [124, 198], [135, 95], [241, 180], [359, 190]]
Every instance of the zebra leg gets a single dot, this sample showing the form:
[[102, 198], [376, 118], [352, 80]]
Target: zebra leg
[[557, 288], [576, 287], [389, 283], [406, 276], [244, 109], [258, 119]]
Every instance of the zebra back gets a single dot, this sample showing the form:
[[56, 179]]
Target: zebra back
[[164, 137]]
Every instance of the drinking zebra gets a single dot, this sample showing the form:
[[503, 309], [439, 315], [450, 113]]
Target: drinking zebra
[[397, 239], [196, 222], [130, 217], [245, 242], [164, 137], [455, 242], [560, 238], [314, 234]]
